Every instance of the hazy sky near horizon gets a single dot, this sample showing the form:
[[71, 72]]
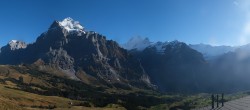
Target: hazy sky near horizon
[[215, 22]]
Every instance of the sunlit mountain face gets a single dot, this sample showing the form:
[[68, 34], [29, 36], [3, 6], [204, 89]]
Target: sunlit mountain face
[[125, 55], [79, 54]]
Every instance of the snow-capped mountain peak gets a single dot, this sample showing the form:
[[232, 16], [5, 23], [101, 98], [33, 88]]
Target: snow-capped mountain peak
[[15, 44], [138, 43], [70, 25], [13, 41]]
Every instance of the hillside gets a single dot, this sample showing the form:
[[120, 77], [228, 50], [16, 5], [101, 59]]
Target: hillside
[[25, 87], [52, 88]]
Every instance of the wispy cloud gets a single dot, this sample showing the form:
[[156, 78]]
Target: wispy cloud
[[244, 6], [213, 41], [236, 3]]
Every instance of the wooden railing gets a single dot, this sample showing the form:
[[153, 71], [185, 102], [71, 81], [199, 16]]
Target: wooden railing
[[215, 98]]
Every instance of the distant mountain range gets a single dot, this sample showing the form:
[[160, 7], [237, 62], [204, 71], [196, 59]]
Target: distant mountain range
[[66, 49], [176, 66], [208, 51]]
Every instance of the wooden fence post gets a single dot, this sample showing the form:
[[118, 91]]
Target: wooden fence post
[[212, 100], [217, 100], [222, 99]]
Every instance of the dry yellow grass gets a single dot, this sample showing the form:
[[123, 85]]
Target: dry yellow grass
[[9, 72], [20, 98], [11, 98], [91, 108]]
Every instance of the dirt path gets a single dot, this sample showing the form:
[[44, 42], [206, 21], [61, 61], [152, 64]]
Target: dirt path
[[238, 104]]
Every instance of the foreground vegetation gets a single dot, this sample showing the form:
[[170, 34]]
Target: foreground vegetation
[[25, 87]]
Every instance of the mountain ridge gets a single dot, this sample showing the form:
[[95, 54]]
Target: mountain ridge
[[68, 48]]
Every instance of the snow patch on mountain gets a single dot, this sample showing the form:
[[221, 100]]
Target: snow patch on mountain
[[140, 44], [161, 46]]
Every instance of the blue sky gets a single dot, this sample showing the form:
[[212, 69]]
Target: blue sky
[[216, 22]]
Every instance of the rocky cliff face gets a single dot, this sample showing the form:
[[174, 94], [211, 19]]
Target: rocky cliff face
[[81, 55]]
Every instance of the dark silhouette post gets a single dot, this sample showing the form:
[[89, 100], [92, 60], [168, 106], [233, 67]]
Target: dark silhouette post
[[222, 99], [212, 100], [217, 100]]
